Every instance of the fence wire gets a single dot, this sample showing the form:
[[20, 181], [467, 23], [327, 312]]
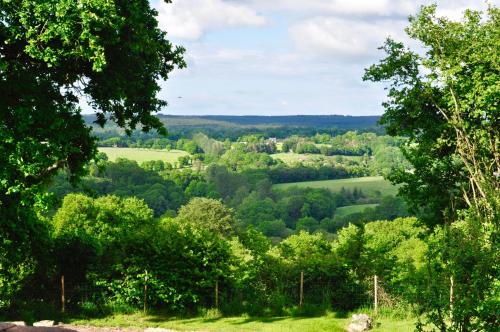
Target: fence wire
[[316, 292]]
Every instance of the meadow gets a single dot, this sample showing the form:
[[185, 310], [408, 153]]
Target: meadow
[[141, 155], [330, 322], [347, 210], [291, 157], [370, 185]]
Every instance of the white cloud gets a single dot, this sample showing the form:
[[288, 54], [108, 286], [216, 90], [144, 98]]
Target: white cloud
[[250, 62], [190, 19], [353, 30], [386, 8], [336, 7], [343, 38]]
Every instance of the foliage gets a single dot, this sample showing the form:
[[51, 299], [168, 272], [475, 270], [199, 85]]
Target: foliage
[[396, 252], [115, 246], [207, 214], [103, 219], [238, 159], [446, 102], [464, 257], [449, 112], [255, 209]]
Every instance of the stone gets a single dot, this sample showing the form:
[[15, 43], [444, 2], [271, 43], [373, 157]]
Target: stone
[[19, 323], [44, 323], [360, 323]]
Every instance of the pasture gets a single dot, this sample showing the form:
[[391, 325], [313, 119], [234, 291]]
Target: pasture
[[370, 185], [141, 155], [346, 210], [292, 158]]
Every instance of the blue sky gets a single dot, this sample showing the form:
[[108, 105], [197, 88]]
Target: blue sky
[[283, 57]]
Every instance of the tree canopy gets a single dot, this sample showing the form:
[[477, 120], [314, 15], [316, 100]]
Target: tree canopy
[[53, 54], [447, 102]]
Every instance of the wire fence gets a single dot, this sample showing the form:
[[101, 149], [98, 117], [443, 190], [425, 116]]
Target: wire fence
[[371, 292]]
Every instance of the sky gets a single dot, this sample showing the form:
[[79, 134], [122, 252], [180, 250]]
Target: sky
[[284, 57]]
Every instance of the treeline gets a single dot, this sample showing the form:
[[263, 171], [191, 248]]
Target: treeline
[[300, 173], [318, 121], [113, 136], [348, 144]]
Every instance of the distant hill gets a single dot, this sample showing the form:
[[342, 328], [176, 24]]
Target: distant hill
[[321, 121], [317, 121]]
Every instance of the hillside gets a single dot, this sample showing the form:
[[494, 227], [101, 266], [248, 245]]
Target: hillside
[[225, 121]]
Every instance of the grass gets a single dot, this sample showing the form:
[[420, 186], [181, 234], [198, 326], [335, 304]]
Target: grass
[[141, 155], [370, 185], [329, 322], [291, 157], [346, 210]]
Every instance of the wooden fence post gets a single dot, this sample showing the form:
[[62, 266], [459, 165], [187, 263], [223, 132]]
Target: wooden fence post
[[375, 300], [145, 291], [451, 297], [63, 300], [301, 301], [217, 293]]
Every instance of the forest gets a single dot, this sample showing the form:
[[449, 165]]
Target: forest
[[126, 212]]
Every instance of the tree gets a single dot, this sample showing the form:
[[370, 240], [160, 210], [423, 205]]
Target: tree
[[208, 214], [226, 183], [308, 224], [396, 253], [449, 112], [447, 103], [184, 161], [103, 219], [276, 228], [54, 52], [254, 210], [89, 233]]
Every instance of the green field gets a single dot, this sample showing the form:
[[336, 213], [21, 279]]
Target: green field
[[141, 155], [291, 157], [346, 210], [235, 324], [369, 185]]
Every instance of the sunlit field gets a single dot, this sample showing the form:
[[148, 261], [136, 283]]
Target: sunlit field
[[141, 155], [346, 210], [291, 158], [369, 185]]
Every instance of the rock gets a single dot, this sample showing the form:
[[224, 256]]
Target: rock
[[44, 323], [18, 323], [359, 323]]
